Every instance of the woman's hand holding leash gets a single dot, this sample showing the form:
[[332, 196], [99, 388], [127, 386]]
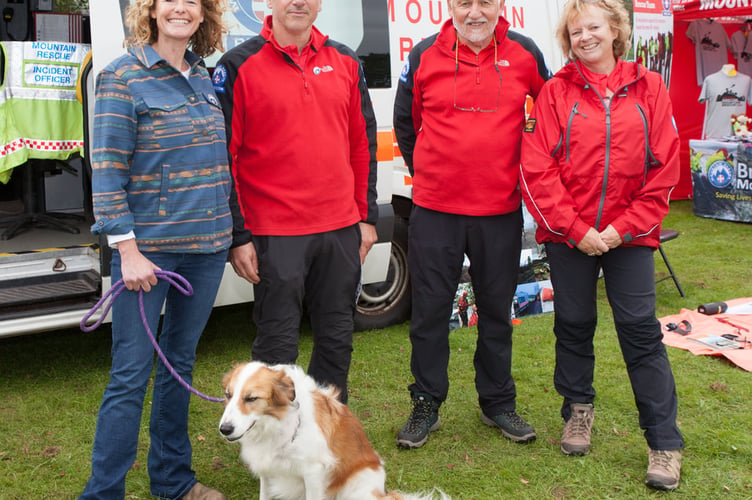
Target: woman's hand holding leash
[[177, 281], [137, 270]]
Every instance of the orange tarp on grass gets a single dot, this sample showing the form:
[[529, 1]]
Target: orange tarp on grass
[[716, 325]]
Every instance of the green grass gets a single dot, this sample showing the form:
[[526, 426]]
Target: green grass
[[51, 385]]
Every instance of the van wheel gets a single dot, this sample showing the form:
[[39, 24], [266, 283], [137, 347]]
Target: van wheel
[[388, 302]]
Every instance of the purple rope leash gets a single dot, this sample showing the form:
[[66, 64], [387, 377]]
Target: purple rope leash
[[174, 279]]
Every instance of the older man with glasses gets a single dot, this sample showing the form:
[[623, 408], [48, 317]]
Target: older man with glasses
[[459, 116]]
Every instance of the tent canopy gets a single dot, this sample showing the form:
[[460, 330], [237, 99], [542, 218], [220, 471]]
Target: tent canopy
[[732, 11]]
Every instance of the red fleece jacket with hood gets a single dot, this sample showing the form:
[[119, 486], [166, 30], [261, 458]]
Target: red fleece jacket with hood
[[590, 161]]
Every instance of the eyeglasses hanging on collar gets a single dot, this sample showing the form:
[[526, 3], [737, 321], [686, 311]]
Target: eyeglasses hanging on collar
[[457, 69]]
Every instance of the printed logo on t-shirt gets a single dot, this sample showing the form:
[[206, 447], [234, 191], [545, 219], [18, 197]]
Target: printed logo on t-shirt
[[730, 97], [707, 43]]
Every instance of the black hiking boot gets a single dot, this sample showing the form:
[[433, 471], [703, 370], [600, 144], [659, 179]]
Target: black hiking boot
[[423, 419], [511, 425]]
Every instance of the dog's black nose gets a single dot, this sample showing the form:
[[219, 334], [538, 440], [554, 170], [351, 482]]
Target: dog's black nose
[[226, 429]]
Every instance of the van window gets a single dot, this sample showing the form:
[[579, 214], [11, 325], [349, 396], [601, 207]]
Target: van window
[[362, 25], [374, 49]]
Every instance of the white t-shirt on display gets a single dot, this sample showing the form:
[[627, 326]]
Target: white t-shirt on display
[[723, 96]]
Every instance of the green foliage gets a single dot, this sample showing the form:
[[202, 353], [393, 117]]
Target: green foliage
[[71, 6], [51, 385]]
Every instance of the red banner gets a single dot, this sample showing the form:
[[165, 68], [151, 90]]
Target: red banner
[[652, 6]]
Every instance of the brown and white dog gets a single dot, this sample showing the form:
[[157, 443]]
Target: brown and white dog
[[299, 440]]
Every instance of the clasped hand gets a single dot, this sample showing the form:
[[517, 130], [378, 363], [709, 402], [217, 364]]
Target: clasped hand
[[597, 243]]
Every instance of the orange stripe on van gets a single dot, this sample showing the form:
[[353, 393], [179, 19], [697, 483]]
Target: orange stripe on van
[[397, 152], [385, 146], [387, 149]]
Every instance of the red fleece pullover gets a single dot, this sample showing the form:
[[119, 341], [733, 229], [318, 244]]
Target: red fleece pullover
[[301, 135], [466, 162]]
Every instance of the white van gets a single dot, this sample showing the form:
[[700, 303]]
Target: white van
[[49, 279]]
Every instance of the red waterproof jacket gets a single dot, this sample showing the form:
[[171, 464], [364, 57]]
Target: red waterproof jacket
[[590, 163], [463, 161]]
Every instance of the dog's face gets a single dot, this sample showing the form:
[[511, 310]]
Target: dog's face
[[254, 392]]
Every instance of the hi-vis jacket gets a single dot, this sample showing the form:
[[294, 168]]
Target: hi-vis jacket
[[459, 117], [40, 117], [588, 162]]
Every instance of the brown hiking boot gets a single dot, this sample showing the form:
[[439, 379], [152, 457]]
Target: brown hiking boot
[[575, 439], [664, 469], [201, 492]]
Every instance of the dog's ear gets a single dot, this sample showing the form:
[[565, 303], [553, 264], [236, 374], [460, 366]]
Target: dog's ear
[[228, 376], [283, 391], [226, 379]]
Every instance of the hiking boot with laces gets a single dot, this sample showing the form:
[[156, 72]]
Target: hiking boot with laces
[[575, 438], [512, 426], [423, 419], [664, 469]]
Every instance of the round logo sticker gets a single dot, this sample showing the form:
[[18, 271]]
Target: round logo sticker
[[720, 174]]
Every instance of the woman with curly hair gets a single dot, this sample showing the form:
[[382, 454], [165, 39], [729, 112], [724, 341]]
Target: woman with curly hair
[[161, 185]]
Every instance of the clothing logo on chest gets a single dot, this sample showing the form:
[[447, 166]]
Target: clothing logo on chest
[[708, 44], [212, 100], [317, 70], [503, 63], [730, 97]]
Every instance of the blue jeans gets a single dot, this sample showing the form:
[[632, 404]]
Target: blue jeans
[[119, 419]]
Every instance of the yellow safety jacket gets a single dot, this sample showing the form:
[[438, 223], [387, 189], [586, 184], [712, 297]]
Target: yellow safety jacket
[[40, 117]]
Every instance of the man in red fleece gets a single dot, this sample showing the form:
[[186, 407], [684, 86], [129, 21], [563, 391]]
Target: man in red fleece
[[302, 143], [458, 117]]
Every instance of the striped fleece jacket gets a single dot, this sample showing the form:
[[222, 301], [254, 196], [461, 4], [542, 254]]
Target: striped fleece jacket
[[160, 166]]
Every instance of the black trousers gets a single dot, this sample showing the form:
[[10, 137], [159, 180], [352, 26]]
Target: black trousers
[[437, 243], [630, 287], [322, 272]]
